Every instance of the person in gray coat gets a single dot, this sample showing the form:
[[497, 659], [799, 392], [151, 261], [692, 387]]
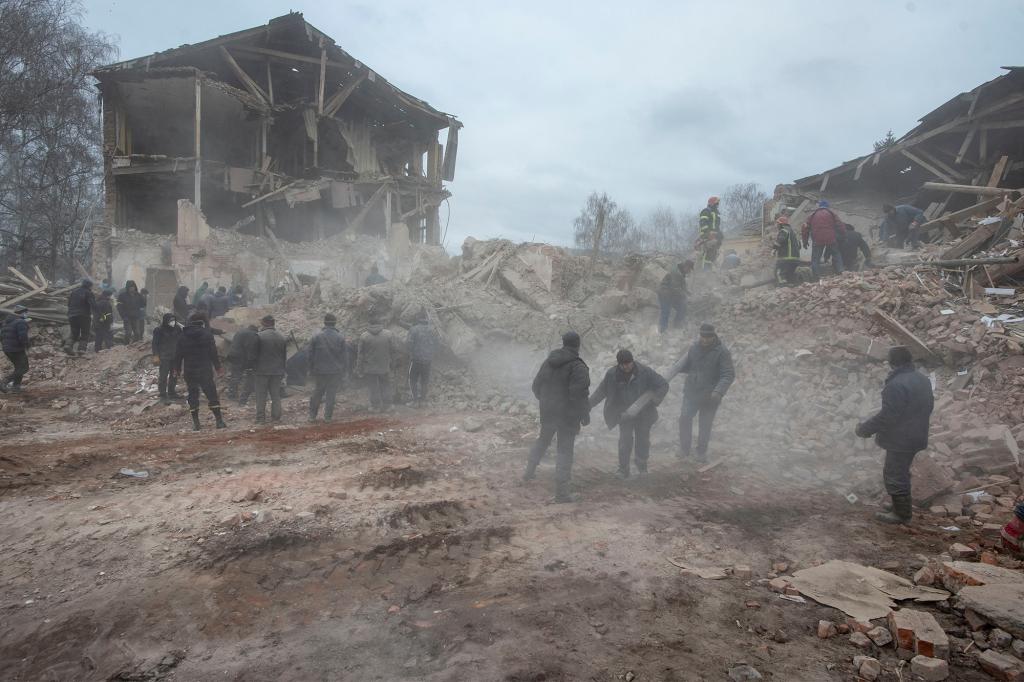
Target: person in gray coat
[[269, 369], [709, 373], [374, 356], [423, 342], [327, 358]]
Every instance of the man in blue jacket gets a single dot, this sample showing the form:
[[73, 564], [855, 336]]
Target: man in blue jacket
[[709, 373], [902, 224], [15, 342], [901, 429]]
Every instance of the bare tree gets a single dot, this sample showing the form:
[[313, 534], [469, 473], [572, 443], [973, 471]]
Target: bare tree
[[604, 227], [50, 158], [664, 230], [742, 204]]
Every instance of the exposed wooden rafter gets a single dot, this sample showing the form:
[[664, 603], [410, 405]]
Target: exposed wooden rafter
[[250, 85]]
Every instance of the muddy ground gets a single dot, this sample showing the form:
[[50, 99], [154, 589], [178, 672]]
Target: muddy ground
[[403, 547]]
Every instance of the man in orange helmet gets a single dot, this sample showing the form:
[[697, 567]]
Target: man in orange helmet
[[787, 252], [710, 236]]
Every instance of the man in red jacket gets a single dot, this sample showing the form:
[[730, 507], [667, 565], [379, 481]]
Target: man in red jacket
[[823, 229]]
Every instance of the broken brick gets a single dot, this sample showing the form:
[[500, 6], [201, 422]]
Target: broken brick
[[1001, 666], [917, 632], [826, 629], [929, 669]]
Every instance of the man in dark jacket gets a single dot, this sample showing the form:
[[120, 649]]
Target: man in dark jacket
[[374, 362], [131, 306], [196, 359], [241, 356], [220, 304], [81, 302], [787, 252], [327, 359], [423, 342], [672, 295], [852, 246], [165, 349], [709, 373], [823, 228], [269, 370], [15, 342], [103, 320], [375, 277], [181, 306], [297, 367], [623, 384], [562, 386], [902, 224], [901, 429]]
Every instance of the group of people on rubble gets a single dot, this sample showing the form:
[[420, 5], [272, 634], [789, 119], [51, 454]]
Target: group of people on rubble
[[89, 315]]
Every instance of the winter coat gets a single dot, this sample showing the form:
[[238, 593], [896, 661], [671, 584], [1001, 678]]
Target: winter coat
[[165, 342], [376, 349], [787, 244], [822, 227], [849, 248], [200, 292], [14, 335], [903, 215], [103, 312], [620, 390], [131, 305], [180, 305], [327, 352], [375, 278], [81, 302], [271, 353], [243, 347], [562, 386], [297, 367], [219, 305], [673, 285], [710, 223], [423, 342], [708, 370], [902, 423], [196, 356]]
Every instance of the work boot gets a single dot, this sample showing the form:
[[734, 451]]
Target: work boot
[[566, 498], [195, 421], [702, 458], [622, 475], [219, 417], [531, 472], [902, 511]]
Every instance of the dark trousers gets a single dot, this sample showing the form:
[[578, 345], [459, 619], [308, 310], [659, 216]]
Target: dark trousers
[[565, 451], [380, 390], [325, 389], [818, 252], [668, 304], [785, 270], [104, 336], [20, 361], [166, 381], [419, 377], [208, 386], [80, 325], [133, 329], [896, 473], [268, 384], [240, 378], [692, 407], [635, 433]]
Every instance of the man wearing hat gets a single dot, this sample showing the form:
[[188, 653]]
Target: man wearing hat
[[623, 384], [374, 362], [901, 429], [269, 369], [81, 303], [196, 359], [15, 342], [709, 373], [327, 361], [562, 386], [824, 229]]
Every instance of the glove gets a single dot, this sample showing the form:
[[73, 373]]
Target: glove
[[715, 398], [860, 431], [585, 420]]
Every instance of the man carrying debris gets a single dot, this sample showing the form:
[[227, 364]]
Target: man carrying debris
[[165, 351], [103, 320], [850, 247], [562, 387], [269, 370], [375, 277], [15, 342], [823, 229], [710, 235], [327, 359], [196, 360], [623, 384], [672, 295], [131, 307], [902, 224], [241, 359], [423, 342], [787, 252], [709, 373], [81, 302], [374, 360], [901, 429]]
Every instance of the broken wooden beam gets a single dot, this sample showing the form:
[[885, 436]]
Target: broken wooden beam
[[251, 85], [337, 99], [960, 262], [972, 242], [966, 189], [918, 348], [963, 213]]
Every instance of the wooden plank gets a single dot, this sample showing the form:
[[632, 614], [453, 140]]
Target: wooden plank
[[20, 275], [927, 166], [450, 153], [966, 189], [21, 297], [288, 56], [997, 172], [860, 167], [918, 348], [966, 144], [270, 85], [323, 74], [252, 86], [277, 191], [197, 189], [824, 182], [938, 163], [337, 99], [42, 279], [971, 242], [956, 216]]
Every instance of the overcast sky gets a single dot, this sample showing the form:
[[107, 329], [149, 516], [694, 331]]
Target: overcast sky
[[654, 103]]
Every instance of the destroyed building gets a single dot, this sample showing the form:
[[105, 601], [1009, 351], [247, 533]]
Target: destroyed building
[[275, 135]]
